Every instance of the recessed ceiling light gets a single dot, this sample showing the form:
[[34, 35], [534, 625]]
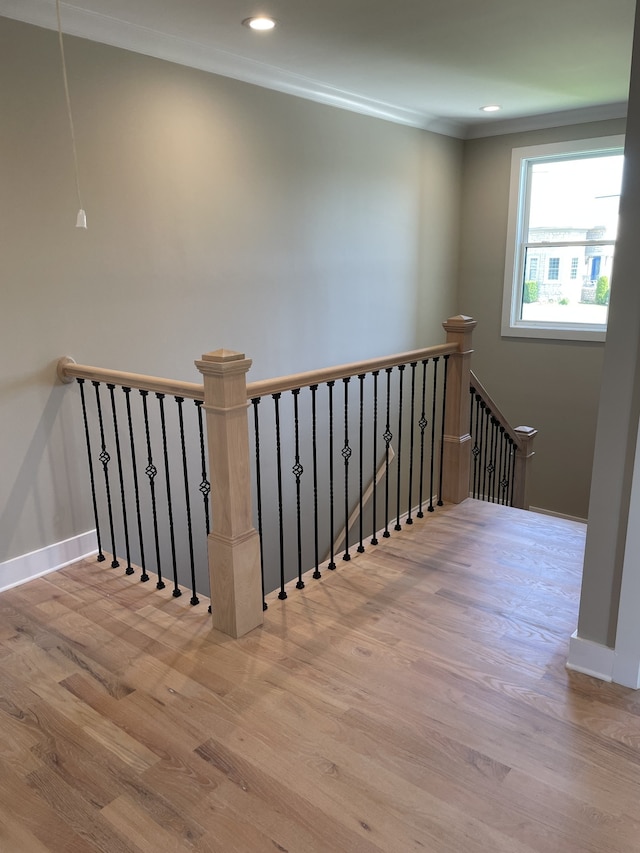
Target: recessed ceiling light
[[491, 108], [261, 22]]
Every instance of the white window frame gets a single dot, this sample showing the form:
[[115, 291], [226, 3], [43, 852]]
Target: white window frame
[[512, 325]]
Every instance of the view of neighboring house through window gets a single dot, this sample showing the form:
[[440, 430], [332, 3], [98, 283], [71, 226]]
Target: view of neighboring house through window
[[563, 220]]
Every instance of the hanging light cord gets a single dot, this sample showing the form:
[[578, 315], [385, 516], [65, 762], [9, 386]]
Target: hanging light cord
[[81, 214]]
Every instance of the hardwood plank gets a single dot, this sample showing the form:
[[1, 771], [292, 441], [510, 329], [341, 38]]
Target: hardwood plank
[[415, 699]]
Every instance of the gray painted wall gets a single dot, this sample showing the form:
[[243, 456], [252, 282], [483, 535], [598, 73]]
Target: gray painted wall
[[551, 385], [220, 214], [610, 514]]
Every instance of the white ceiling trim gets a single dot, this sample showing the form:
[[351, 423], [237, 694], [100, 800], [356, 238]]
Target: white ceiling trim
[[139, 39], [112, 31], [539, 122]]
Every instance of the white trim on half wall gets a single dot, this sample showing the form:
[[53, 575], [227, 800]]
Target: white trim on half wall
[[38, 563]]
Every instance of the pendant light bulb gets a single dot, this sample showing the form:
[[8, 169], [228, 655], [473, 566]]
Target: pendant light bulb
[[81, 221]]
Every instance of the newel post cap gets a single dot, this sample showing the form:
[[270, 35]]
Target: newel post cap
[[223, 362], [221, 356], [459, 323]]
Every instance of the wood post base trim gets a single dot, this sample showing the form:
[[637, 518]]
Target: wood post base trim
[[591, 658], [236, 592], [225, 410], [456, 456]]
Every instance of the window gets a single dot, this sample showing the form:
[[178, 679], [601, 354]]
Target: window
[[563, 218], [574, 267]]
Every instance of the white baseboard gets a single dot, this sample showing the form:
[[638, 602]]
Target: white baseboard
[[38, 563], [591, 658], [557, 514]]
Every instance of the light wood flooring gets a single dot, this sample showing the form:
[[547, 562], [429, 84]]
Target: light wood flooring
[[414, 700]]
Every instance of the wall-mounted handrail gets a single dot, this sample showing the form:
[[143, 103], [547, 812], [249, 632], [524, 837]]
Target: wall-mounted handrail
[[68, 370]]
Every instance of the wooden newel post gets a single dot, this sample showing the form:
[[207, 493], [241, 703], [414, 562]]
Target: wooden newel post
[[234, 545], [457, 440], [524, 455]]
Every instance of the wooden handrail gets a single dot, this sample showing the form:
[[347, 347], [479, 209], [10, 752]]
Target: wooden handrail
[[328, 374], [68, 370], [494, 410]]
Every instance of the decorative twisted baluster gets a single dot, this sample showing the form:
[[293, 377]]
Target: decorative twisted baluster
[[332, 563], [314, 452], [192, 564], [205, 486], [256, 428], [176, 592], [387, 436], [444, 412], [401, 368], [360, 548], [297, 472], [422, 423], [346, 455], [434, 398], [134, 471], [123, 503], [100, 556], [412, 409], [374, 501], [151, 471], [105, 458], [276, 398]]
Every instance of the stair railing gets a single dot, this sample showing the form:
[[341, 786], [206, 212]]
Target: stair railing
[[304, 450], [500, 454]]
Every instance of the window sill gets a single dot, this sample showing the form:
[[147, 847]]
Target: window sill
[[555, 333]]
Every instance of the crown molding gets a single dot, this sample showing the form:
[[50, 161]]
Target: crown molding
[[112, 31], [215, 60], [603, 112]]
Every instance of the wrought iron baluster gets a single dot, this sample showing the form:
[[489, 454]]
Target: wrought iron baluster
[[134, 471], [151, 471], [476, 447], [205, 486], [500, 466], [494, 456], [297, 472], [431, 507], [123, 502], [192, 563], [444, 412], [360, 548], [414, 364], [100, 557], [332, 563], [176, 592], [401, 368], [276, 398], [512, 470], [374, 496], [485, 446], [105, 458], [346, 455], [314, 453], [387, 435], [422, 423], [256, 427]]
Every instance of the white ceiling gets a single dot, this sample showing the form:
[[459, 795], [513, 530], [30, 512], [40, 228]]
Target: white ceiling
[[428, 63]]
